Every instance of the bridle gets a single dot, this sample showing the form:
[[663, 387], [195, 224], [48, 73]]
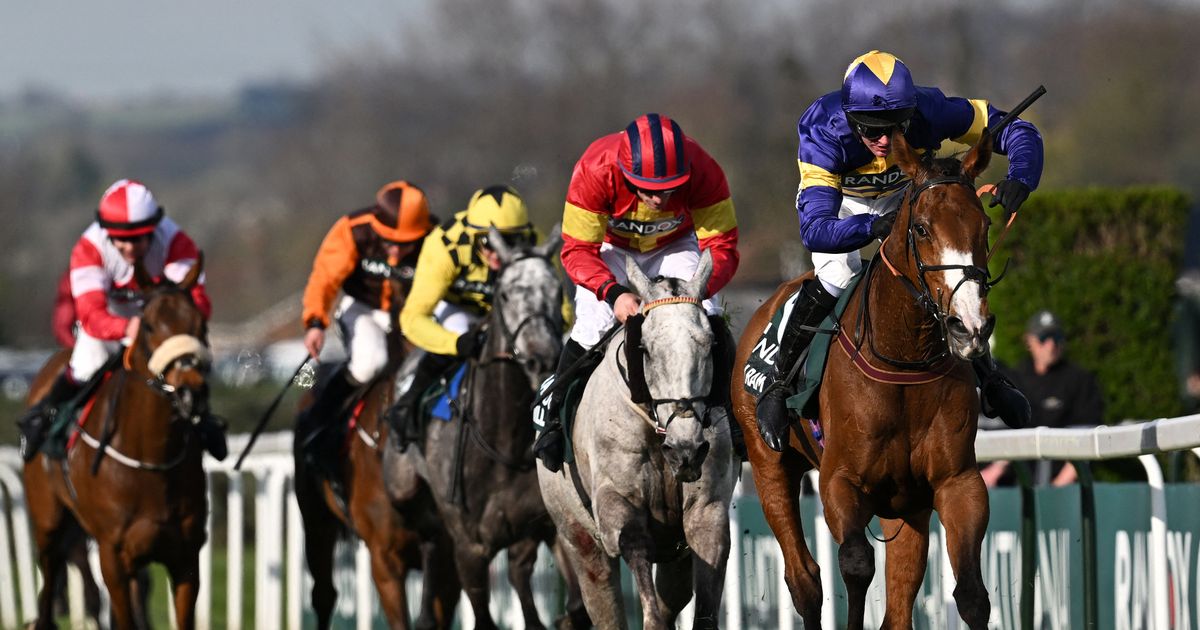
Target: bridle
[[510, 334], [681, 405], [923, 294], [181, 352]]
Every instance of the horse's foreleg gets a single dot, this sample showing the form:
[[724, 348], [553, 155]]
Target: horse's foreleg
[[320, 536], [673, 581], [962, 505], [388, 570], [624, 528], [847, 516], [906, 560], [521, 558], [185, 581], [779, 482], [707, 530], [473, 572], [599, 577], [576, 615], [119, 577], [440, 588]]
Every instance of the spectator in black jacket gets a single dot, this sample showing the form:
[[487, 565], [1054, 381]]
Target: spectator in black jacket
[[1061, 393]]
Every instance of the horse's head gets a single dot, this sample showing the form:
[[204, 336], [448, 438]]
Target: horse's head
[[527, 306], [677, 349], [939, 243], [172, 344]]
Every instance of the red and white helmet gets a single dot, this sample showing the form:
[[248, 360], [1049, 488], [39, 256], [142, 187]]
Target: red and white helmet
[[128, 208]]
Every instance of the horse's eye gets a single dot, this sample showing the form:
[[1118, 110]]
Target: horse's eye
[[921, 231]]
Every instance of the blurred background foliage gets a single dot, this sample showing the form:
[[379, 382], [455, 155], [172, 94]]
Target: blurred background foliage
[[469, 94]]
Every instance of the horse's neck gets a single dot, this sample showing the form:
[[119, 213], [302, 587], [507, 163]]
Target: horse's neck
[[136, 416], [895, 325]]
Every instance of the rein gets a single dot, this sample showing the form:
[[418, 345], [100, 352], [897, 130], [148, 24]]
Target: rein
[[923, 295]]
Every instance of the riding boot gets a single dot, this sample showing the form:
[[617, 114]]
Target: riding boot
[[39, 418], [322, 444], [550, 446], [998, 396], [403, 417], [724, 347], [812, 306]]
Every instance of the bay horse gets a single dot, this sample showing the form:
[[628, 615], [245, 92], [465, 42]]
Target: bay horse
[[898, 404], [651, 483], [132, 478], [479, 466], [395, 545]]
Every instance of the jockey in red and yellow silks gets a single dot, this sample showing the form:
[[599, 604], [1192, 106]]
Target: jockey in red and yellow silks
[[651, 193]]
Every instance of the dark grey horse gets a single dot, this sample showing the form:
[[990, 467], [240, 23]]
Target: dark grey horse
[[651, 483], [480, 466]]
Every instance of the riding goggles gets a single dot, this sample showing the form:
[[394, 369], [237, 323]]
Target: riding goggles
[[874, 133]]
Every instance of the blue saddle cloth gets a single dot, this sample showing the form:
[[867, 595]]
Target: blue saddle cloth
[[439, 405]]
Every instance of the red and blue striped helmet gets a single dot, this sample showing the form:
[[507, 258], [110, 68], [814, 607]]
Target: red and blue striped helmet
[[128, 209], [652, 153], [878, 90]]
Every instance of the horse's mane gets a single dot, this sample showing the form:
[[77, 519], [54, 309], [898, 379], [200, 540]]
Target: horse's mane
[[675, 285], [942, 167]]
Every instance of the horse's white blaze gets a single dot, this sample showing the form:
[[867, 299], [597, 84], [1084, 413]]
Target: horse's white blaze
[[967, 302]]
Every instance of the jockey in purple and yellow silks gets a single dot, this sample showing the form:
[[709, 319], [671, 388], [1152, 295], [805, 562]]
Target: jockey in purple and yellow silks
[[851, 186], [653, 194]]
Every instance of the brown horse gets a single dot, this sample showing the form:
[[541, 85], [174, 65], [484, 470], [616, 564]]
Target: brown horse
[[898, 405], [395, 546], [133, 479]]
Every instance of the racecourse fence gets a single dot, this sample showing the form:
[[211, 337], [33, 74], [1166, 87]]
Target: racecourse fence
[[1121, 556]]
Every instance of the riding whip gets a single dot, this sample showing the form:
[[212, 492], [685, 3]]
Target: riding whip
[[262, 422], [1016, 111]]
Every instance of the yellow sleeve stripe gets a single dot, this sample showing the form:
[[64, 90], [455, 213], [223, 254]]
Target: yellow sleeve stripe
[[718, 218], [977, 125], [584, 225], [813, 175]]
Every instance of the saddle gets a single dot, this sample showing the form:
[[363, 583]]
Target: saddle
[[807, 383], [59, 436]]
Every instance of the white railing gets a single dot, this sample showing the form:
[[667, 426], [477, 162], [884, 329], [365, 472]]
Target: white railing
[[277, 539]]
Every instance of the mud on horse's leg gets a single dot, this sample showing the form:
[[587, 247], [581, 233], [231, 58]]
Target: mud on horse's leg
[[847, 516], [907, 552], [962, 505]]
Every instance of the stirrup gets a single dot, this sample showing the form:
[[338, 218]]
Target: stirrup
[[549, 447]]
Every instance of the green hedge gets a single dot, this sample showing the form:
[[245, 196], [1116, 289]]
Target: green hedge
[[1105, 261]]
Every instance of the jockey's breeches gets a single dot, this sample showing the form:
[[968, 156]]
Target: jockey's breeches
[[835, 270]]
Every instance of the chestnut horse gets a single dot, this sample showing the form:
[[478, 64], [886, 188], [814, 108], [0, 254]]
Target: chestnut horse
[[392, 539], [132, 477], [898, 442]]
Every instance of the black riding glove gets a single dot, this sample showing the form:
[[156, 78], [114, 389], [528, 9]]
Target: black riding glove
[[1010, 194], [470, 343], [882, 225]]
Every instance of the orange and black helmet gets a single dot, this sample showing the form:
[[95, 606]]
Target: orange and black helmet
[[401, 212]]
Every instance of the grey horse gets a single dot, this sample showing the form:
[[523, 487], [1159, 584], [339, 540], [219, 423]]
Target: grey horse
[[650, 483], [479, 467]]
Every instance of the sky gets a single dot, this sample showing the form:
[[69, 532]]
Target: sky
[[116, 49]]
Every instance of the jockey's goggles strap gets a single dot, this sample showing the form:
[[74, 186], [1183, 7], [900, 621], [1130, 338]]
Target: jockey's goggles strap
[[678, 299]]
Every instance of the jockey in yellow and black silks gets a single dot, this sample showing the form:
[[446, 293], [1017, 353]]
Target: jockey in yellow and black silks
[[452, 291]]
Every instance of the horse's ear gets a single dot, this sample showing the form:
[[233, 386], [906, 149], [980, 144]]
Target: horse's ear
[[144, 281], [553, 244], [699, 281], [193, 274], [637, 278], [907, 158], [496, 242], [978, 157]]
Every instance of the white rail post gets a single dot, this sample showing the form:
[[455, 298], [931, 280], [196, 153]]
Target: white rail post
[[1159, 605], [234, 558], [733, 579]]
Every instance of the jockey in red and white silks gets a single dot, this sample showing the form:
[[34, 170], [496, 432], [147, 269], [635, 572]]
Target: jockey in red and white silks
[[102, 281]]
